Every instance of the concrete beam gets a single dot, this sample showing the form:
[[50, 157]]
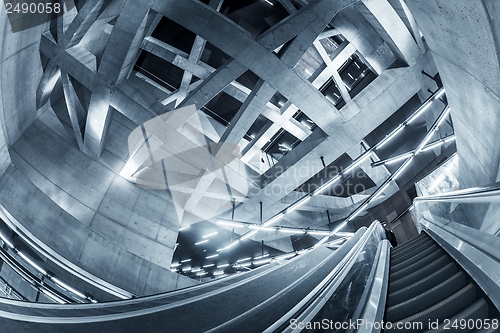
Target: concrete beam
[[75, 109], [365, 39], [252, 55], [374, 105], [248, 112], [174, 56], [82, 22], [391, 28], [334, 71], [308, 18]]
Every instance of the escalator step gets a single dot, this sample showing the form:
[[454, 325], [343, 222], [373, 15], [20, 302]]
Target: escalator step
[[411, 243], [422, 285], [397, 284], [412, 267], [412, 252], [397, 266], [426, 299], [478, 310], [440, 311]]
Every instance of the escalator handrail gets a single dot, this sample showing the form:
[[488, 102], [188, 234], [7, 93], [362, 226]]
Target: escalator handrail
[[309, 305], [486, 193]]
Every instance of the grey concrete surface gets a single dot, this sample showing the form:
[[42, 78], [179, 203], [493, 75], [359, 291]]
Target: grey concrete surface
[[463, 37], [107, 225]]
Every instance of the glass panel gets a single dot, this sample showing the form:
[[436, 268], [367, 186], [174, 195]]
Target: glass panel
[[343, 304], [465, 213]]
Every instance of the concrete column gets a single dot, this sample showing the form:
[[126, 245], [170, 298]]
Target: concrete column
[[117, 60], [464, 38]]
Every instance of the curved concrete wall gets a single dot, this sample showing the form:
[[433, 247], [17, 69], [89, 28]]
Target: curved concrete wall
[[73, 204], [464, 37]]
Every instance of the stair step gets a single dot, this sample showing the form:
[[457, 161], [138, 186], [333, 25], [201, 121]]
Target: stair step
[[402, 282], [412, 267], [422, 285], [396, 266], [440, 311], [412, 252], [410, 243], [477, 310], [426, 299]]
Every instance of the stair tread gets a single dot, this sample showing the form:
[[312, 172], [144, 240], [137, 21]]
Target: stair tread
[[477, 310], [399, 283], [427, 299], [441, 310], [431, 257], [420, 286]]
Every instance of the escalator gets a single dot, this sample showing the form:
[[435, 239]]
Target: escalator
[[426, 286]]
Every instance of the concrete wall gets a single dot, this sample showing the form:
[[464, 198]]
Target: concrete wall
[[78, 206], [463, 37]]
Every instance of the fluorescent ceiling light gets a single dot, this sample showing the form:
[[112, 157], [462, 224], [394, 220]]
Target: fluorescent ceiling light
[[291, 231], [318, 233], [249, 234], [445, 114], [298, 204], [53, 297], [439, 94], [391, 136], [356, 163], [379, 191], [202, 242], [212, 256], [186, 260], [38, 268], [209, 265], [327, 184], [273, 219], [259, 227], [322, 240], [261, 262], [398, 158], [5, 240], [358, 211], [230, 223], [65, 286], [184, 228], [422, 110], [244, 259], [260, 257], [285, 256], [211, 234], [434, 145], [403, 167]]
